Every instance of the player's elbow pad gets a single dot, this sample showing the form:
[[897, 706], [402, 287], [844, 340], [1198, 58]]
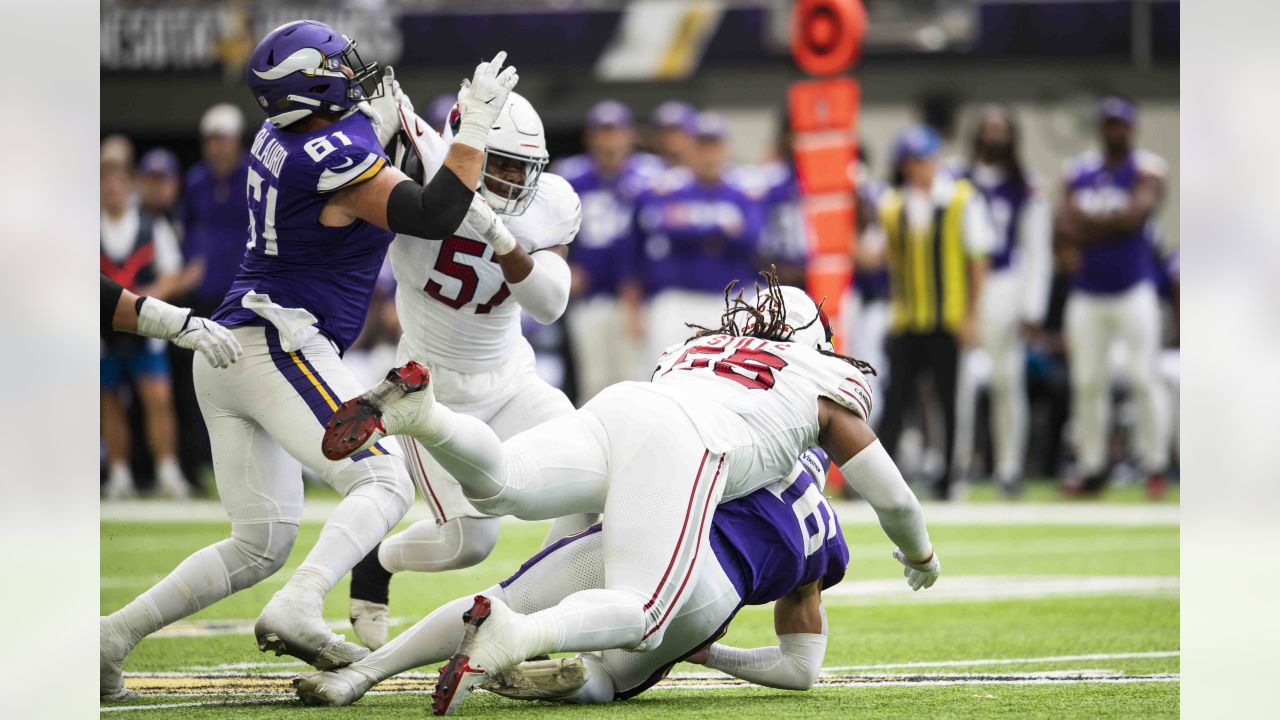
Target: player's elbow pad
[[544, 294], [433, 212]]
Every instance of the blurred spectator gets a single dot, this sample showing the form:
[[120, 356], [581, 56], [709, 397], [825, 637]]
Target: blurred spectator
[[159, 178], [438, 110], [693, 233], [139, 251], [117, 149], [673, 130], [608, 178], [784, 238], [937, 238], [215, 214], [867, 316], [1014, 297], [1105, 217]]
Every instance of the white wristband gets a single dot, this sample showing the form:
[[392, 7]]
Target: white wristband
[[159, 319], [472, 134]]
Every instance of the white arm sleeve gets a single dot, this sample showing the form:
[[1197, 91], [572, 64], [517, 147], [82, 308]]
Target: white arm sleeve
[[1035, 233], [792, 664], [545, 292], [877, 479]]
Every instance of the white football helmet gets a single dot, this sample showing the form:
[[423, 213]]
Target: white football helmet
[[801, 312], [516, 135]]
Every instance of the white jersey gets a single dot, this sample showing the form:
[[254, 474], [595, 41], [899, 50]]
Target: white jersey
[[743, 392], [455, 308]]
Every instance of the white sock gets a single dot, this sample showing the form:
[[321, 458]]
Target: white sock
[[119, 475], [433, 639], [370, 509], [207, 576]]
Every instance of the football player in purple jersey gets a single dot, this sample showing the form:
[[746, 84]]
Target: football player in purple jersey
[[1106, 217], [324, 204], [1015, 295]]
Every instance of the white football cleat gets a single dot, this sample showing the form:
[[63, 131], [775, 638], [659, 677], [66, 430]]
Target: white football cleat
[[554, 679], [170, 482], [399, 405], [494, 640], [112, 650], [292, 624], [335, 688], [370, 620]]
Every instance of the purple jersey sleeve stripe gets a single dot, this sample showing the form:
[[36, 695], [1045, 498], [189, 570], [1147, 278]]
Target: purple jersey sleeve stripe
[[544, 552]]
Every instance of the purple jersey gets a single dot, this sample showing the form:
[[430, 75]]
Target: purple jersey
[[688, 235], [1113, 264], [214, 219], [784, 235], [1005, 200], [779, 538], [327, 271], [607, 205]]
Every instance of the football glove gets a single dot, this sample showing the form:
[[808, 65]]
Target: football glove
[[159, 319], [485, 221], [919, 575], [481, 99]]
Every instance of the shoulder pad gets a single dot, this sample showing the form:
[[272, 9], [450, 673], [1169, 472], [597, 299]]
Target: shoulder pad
[[552, 218]]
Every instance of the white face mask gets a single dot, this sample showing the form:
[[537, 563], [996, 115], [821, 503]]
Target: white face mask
[[511, 198]]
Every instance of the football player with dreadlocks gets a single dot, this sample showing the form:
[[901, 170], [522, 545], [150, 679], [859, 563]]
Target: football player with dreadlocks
[[324, 205], [727, 413]]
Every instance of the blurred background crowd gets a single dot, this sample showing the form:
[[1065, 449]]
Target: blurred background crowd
[[1015, 255]]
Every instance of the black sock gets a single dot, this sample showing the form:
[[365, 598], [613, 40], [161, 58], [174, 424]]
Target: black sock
[[369, 580]]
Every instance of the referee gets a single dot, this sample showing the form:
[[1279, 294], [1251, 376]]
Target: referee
[[937, 239]]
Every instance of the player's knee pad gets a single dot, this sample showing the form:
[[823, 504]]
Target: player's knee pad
[[257, 551], [383, 478]]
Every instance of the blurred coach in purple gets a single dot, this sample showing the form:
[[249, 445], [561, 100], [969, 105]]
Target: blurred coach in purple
[[215, 213]]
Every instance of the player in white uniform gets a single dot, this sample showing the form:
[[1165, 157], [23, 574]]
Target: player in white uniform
[[459, 304], [727, 413]]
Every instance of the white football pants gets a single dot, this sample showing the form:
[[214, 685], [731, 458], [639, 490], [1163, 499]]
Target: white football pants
[[1093, 324], [266, 416], [1001, 356], [630, 453], [574, 564], [509, 399]]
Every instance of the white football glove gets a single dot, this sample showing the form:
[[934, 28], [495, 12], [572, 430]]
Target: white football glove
[[481, 99], [485, 221], [159, 319], [384, 110], [210, 339], [919, 575]]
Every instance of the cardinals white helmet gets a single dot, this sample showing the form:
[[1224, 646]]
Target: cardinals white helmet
[[808, 323], [515, 155]]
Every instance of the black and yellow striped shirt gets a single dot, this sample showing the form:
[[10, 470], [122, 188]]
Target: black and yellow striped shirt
[[928, 268]]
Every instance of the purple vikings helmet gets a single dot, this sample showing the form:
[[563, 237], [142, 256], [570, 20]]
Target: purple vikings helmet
[[297, 69]]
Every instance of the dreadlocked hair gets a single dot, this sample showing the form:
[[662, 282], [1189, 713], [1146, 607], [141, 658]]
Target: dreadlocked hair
[[767, 319]]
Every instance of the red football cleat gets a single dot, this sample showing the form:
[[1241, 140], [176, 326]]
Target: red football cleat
[[357, 424], [458, 676]]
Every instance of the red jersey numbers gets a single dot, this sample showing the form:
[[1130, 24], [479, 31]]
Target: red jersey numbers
[[744, 361], [447, 264]]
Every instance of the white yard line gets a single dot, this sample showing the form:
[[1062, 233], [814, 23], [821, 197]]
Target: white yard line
[[964, 588], [994, 513], [1008, 661], [867, 681]]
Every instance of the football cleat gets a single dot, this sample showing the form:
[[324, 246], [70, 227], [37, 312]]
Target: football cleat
[[556, 679], [1157, 486], [334, 688], [370, 621], [490, 644], [112, 650], [395, 406], [291, 624]]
